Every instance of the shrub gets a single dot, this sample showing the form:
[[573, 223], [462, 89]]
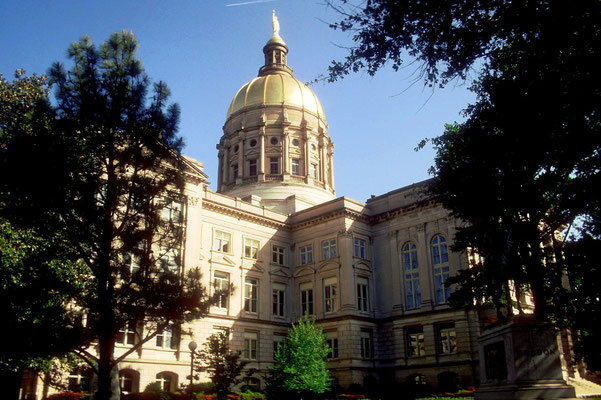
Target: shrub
[[250, 395], [67, 396]]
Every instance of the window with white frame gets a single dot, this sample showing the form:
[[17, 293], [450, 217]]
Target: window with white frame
[[362, 294], [328, 249], [128, 381], [413, 296], [306, 300], [132, 262], [366, 343], [166, 381], [127, 334], [171, 211], [332, 341], [274, 165], [278, 254], [330, 289], [251, 248], [79, 380], [221, 283], [296, 170], [251, 343], [359, 245], [166, 339], [313, 171], [251, 295], [278, 340], [447, 339], [306, 255], [440, 262], [169, 260], [415, 342], [222, 241], [278, 299]]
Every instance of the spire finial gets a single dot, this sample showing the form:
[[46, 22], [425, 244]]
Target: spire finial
[[275, 24]]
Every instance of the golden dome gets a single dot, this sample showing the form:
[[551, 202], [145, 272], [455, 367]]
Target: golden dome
[[276, 89]]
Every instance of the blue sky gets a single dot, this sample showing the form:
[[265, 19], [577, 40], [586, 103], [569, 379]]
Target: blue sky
[[205, 50]]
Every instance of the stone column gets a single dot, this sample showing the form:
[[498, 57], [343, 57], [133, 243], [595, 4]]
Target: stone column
[[285, 158], [307, 159], [261, 165], [331, 163], [346, 276], [220, 170], [241, 168]]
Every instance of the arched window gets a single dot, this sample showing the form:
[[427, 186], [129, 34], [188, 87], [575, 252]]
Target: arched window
[[128, 381], [413, 296], [167, 381], [440, 262]]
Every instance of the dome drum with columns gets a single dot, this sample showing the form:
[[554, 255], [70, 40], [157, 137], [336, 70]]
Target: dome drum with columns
[[275, 147]]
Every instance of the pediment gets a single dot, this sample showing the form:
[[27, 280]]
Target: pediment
[[363, 266], [253, 267], [252, 153], [277, 271], [304, 271], [328, 266], [223, 260]]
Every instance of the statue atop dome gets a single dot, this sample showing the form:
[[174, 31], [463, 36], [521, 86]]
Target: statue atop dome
[[275, 24]]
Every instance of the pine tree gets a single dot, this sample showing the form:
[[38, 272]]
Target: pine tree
[[102, 171]]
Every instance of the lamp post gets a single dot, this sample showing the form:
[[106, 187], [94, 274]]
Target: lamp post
[[192, 346]]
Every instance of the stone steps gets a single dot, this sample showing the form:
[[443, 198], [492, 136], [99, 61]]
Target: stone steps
[[585, 388]]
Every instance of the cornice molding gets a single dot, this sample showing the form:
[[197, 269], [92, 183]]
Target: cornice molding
[[240, 214]]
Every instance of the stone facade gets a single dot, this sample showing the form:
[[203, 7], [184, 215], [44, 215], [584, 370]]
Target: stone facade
[[371, 273]]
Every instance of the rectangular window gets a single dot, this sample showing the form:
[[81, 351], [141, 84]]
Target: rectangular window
[[251, 248], [277, 254], [172, 211], [165, 339], [278, 299], [415, 342], [330, 287], [306, 293], [169, 260], [313, 171], [278, 340], [362, 294], [252, 167], [222, 241], [366, 343], [251, 294], [360, 248], [296, 166], [306, 255], [411, 274], [221, 284], [440, 259], [332, 341], [127, 334], [447, 339], [274, 165], [328, 249], [235, 171], [250, 345]]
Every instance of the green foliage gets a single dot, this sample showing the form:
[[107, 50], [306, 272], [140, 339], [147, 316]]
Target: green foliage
[[223, 365], [300, 367], [89, 180], [524, 164], [67, 396]]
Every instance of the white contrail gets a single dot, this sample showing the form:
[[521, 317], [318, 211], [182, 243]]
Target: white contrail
[[248, 2]]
